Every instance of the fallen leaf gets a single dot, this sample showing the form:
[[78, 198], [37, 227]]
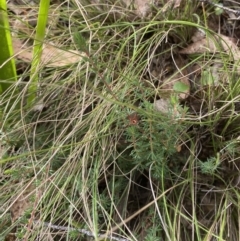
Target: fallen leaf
[[200, 46], [177, 3], [162, 105], [52, 56], [198, 35], [142, 7], [212, 45]]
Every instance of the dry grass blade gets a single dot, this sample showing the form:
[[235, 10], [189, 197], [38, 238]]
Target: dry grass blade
[[131, 138]]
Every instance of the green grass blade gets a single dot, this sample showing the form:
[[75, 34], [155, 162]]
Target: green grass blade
[[7, 64], [37, 49]]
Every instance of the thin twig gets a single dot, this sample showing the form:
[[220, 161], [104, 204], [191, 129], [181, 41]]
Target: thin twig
[[83, 231]]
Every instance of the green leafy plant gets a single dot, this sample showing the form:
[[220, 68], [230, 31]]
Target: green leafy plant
[[104, 159], [154, 139]]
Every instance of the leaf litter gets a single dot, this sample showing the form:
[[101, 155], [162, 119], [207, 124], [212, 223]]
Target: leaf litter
[[53, 54], [203, 43]]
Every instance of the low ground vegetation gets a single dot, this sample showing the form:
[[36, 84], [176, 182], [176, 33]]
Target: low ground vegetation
[[133, 131]]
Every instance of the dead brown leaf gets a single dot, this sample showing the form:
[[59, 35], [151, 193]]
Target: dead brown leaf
[[177, 3], [52, 56], [162, 105], [212, 45], [142, 7], [198, 35]]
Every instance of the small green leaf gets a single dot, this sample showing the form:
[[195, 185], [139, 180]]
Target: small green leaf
[[218, 10], [207, 78], [180, 87]]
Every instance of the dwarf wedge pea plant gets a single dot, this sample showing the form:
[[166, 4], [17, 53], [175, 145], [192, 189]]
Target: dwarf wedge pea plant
[[210, 166], [154, 139]]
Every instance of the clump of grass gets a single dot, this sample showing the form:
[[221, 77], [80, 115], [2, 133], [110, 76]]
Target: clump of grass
[[102, 159]]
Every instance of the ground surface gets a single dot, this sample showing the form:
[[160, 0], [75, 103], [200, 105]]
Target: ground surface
[[134, 132]]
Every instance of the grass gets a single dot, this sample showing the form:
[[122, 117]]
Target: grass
[[98, 159], [37, 50], [8, 69], [8, 75]]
